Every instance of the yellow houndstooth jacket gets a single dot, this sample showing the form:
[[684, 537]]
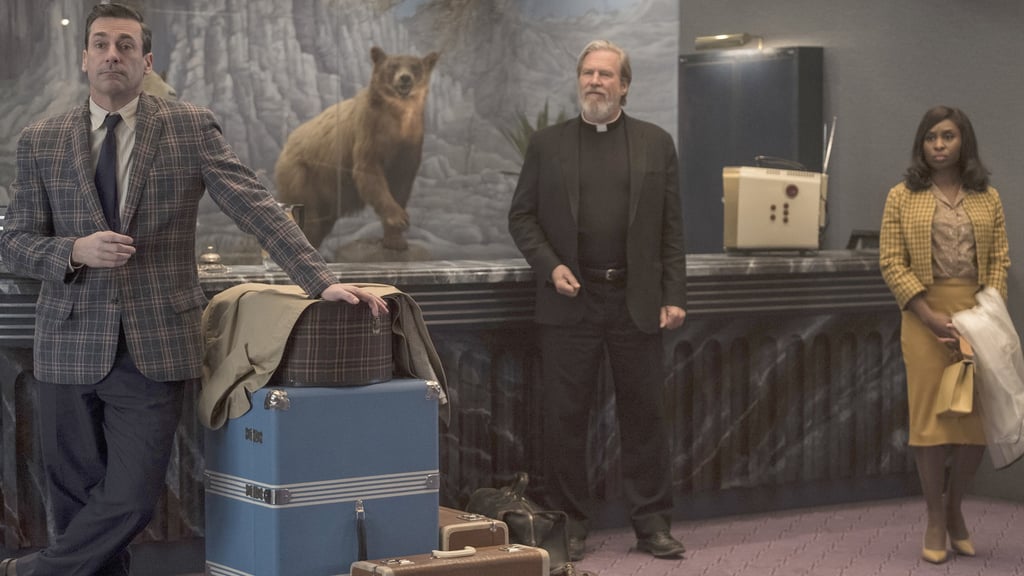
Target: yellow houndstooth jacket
[[905, 246]]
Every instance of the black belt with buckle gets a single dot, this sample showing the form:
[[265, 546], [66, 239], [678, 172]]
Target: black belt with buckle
[[610, 275]]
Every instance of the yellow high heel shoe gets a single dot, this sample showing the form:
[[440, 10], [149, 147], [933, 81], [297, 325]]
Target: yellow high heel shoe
[[934, 556], [963, 547]]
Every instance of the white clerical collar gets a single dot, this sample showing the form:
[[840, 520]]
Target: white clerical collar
[[601, 127]]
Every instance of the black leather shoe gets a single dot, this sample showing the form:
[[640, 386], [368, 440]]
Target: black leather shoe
[[660, 545], [577, 548]]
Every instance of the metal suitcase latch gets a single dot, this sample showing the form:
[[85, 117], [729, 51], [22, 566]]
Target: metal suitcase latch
[[470, 517], [272, 496], [433, 390], [277, 400], [511, 548]]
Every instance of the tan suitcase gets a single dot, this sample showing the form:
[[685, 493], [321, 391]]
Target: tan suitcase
[[504, 560], [459, 529]]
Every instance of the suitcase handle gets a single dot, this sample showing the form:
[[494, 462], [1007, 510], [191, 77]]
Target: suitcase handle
[[444, 554], [361, 530]]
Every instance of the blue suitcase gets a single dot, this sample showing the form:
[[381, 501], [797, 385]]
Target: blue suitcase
[[299, 484]]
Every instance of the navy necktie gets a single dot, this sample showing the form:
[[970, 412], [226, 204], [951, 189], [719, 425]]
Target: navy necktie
[[106, 174]]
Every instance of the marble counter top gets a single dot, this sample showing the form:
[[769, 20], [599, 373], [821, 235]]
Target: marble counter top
[[491, 292], [441, 272], [401, 274]]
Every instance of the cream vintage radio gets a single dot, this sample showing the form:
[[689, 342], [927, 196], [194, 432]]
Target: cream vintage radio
[[773, 208]]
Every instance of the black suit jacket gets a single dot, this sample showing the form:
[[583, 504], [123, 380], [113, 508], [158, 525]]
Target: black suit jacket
[[544, 221]]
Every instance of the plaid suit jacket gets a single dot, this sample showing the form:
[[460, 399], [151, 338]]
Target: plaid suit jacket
[[905, 245], [179, 152]]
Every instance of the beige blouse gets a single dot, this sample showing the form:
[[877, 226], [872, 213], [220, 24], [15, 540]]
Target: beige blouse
[[954, 254]]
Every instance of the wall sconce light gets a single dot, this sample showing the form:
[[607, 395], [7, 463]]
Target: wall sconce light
[[727, 41]]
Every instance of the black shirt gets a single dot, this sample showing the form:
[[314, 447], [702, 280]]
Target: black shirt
[[604, 195]]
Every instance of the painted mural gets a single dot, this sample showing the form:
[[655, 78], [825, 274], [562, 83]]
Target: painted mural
[[490, 72]]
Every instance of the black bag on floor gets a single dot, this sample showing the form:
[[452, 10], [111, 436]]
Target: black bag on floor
[[528, 523]]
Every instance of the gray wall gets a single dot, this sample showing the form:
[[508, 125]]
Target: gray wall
[[886, 62]]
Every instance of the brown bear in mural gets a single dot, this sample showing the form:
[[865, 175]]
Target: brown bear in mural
[[364, 150], [154, 84]]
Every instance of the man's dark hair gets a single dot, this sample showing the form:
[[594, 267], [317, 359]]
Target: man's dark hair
[[114, 10]]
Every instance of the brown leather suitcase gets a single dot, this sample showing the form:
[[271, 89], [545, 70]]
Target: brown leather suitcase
[[504, 560], [459, 529], [337, 344]]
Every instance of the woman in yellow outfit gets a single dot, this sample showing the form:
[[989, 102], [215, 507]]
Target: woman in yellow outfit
[[943, 237]]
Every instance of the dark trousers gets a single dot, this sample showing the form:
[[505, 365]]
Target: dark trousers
[[571, 357], [105, 452]]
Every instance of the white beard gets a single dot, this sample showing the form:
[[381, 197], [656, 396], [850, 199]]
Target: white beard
[[598, 110]]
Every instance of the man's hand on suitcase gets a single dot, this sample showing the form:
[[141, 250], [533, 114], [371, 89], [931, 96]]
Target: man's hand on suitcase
[[354, 295]]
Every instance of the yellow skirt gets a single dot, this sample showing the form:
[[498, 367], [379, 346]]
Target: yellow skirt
[[925, 358]]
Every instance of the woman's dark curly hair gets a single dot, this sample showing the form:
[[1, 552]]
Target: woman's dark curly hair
[[973, 173]]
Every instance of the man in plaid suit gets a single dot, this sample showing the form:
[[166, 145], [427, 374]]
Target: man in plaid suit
[[118, 317]]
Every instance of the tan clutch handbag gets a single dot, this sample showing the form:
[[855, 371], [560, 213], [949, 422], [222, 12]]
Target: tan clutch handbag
[[956, 390]]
